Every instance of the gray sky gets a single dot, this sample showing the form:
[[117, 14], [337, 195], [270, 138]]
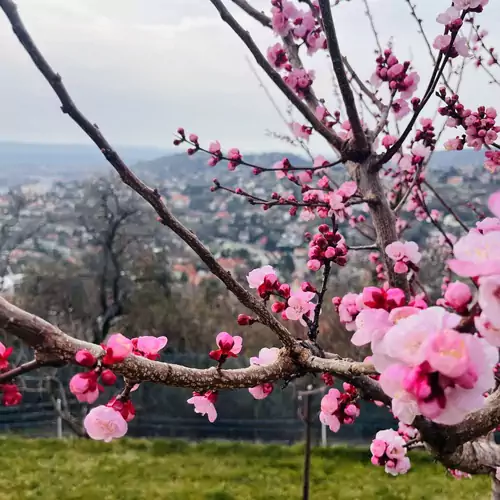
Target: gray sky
[[140, 68]]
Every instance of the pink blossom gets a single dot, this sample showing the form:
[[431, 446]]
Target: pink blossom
[[118, 348], [402, 254], [489, 297], [204, 404], [457, 296], [454, 144], [489, 331], [256, 277], [266, 356], [488, 224], [299, 305], [234, 155], [393, 456], [347, 189], [229, 346], [320, 161], [420, 151], [276, 56], [469, 4], [279, 22], [348, 309], [492, 161], [214, 147], [371, 326], [400, 108], [103, 423], [84, 387], [388, 141], [329, 405], [450, 15], [150, 346], [321, 113], [261, 391], [447, 353], [476, 254], [494, 203], [301, 131], [411, 82], [299, 80], [442, 42]]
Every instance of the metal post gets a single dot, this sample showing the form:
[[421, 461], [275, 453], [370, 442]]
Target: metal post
[[324, 439], [307, 446], [59, 419]]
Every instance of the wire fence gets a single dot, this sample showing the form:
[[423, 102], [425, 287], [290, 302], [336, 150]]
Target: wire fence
[[163, 412]]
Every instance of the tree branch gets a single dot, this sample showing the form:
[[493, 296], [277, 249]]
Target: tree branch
[[345, 87], [29, 366], [331, 137]]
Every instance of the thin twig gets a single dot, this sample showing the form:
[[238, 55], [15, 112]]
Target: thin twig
[[368, 13], [331, 137], [313, 331], [29, 366]]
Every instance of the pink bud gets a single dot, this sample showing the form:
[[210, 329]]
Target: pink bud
[[193, 138], [108, 377], [313, 264], [458, 295], [85, 358]]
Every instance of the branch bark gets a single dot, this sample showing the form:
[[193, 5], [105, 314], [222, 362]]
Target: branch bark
[[360, 140]]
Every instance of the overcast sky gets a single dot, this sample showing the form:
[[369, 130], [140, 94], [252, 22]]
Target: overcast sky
[[141, 68]]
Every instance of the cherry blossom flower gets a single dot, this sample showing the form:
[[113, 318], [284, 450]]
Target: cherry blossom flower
[[348, 309], [276, 55], [388, 450], [118, 347], [84, 387], [476, 254], [149, 346], [267, 356], [458, 474], [299, 305], [301, 131], [489, 297], [103, 423], [489, 331], [329, 405], [400, 108], [256, 277], [229, 346], [204, 404], [469, 4], [261, 391], [450, 15], [403, 254]]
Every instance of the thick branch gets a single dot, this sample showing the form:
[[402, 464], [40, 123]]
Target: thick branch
[[338, 67]]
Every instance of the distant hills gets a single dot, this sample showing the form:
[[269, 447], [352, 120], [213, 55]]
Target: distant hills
[[22, 163]]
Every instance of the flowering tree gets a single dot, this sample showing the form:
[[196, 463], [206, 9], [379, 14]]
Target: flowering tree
[[433, 364]]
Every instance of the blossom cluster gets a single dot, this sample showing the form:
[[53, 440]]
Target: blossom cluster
[[339, 408], [326, 246], [389, 451]]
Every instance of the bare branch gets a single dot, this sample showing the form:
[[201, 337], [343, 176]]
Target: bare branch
[[29, 366], [369, 14], [345, 87]]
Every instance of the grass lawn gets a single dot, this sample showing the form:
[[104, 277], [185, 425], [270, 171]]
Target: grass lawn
[[136, 469]]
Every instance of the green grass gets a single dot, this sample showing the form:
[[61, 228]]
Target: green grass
[[136, 469]]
